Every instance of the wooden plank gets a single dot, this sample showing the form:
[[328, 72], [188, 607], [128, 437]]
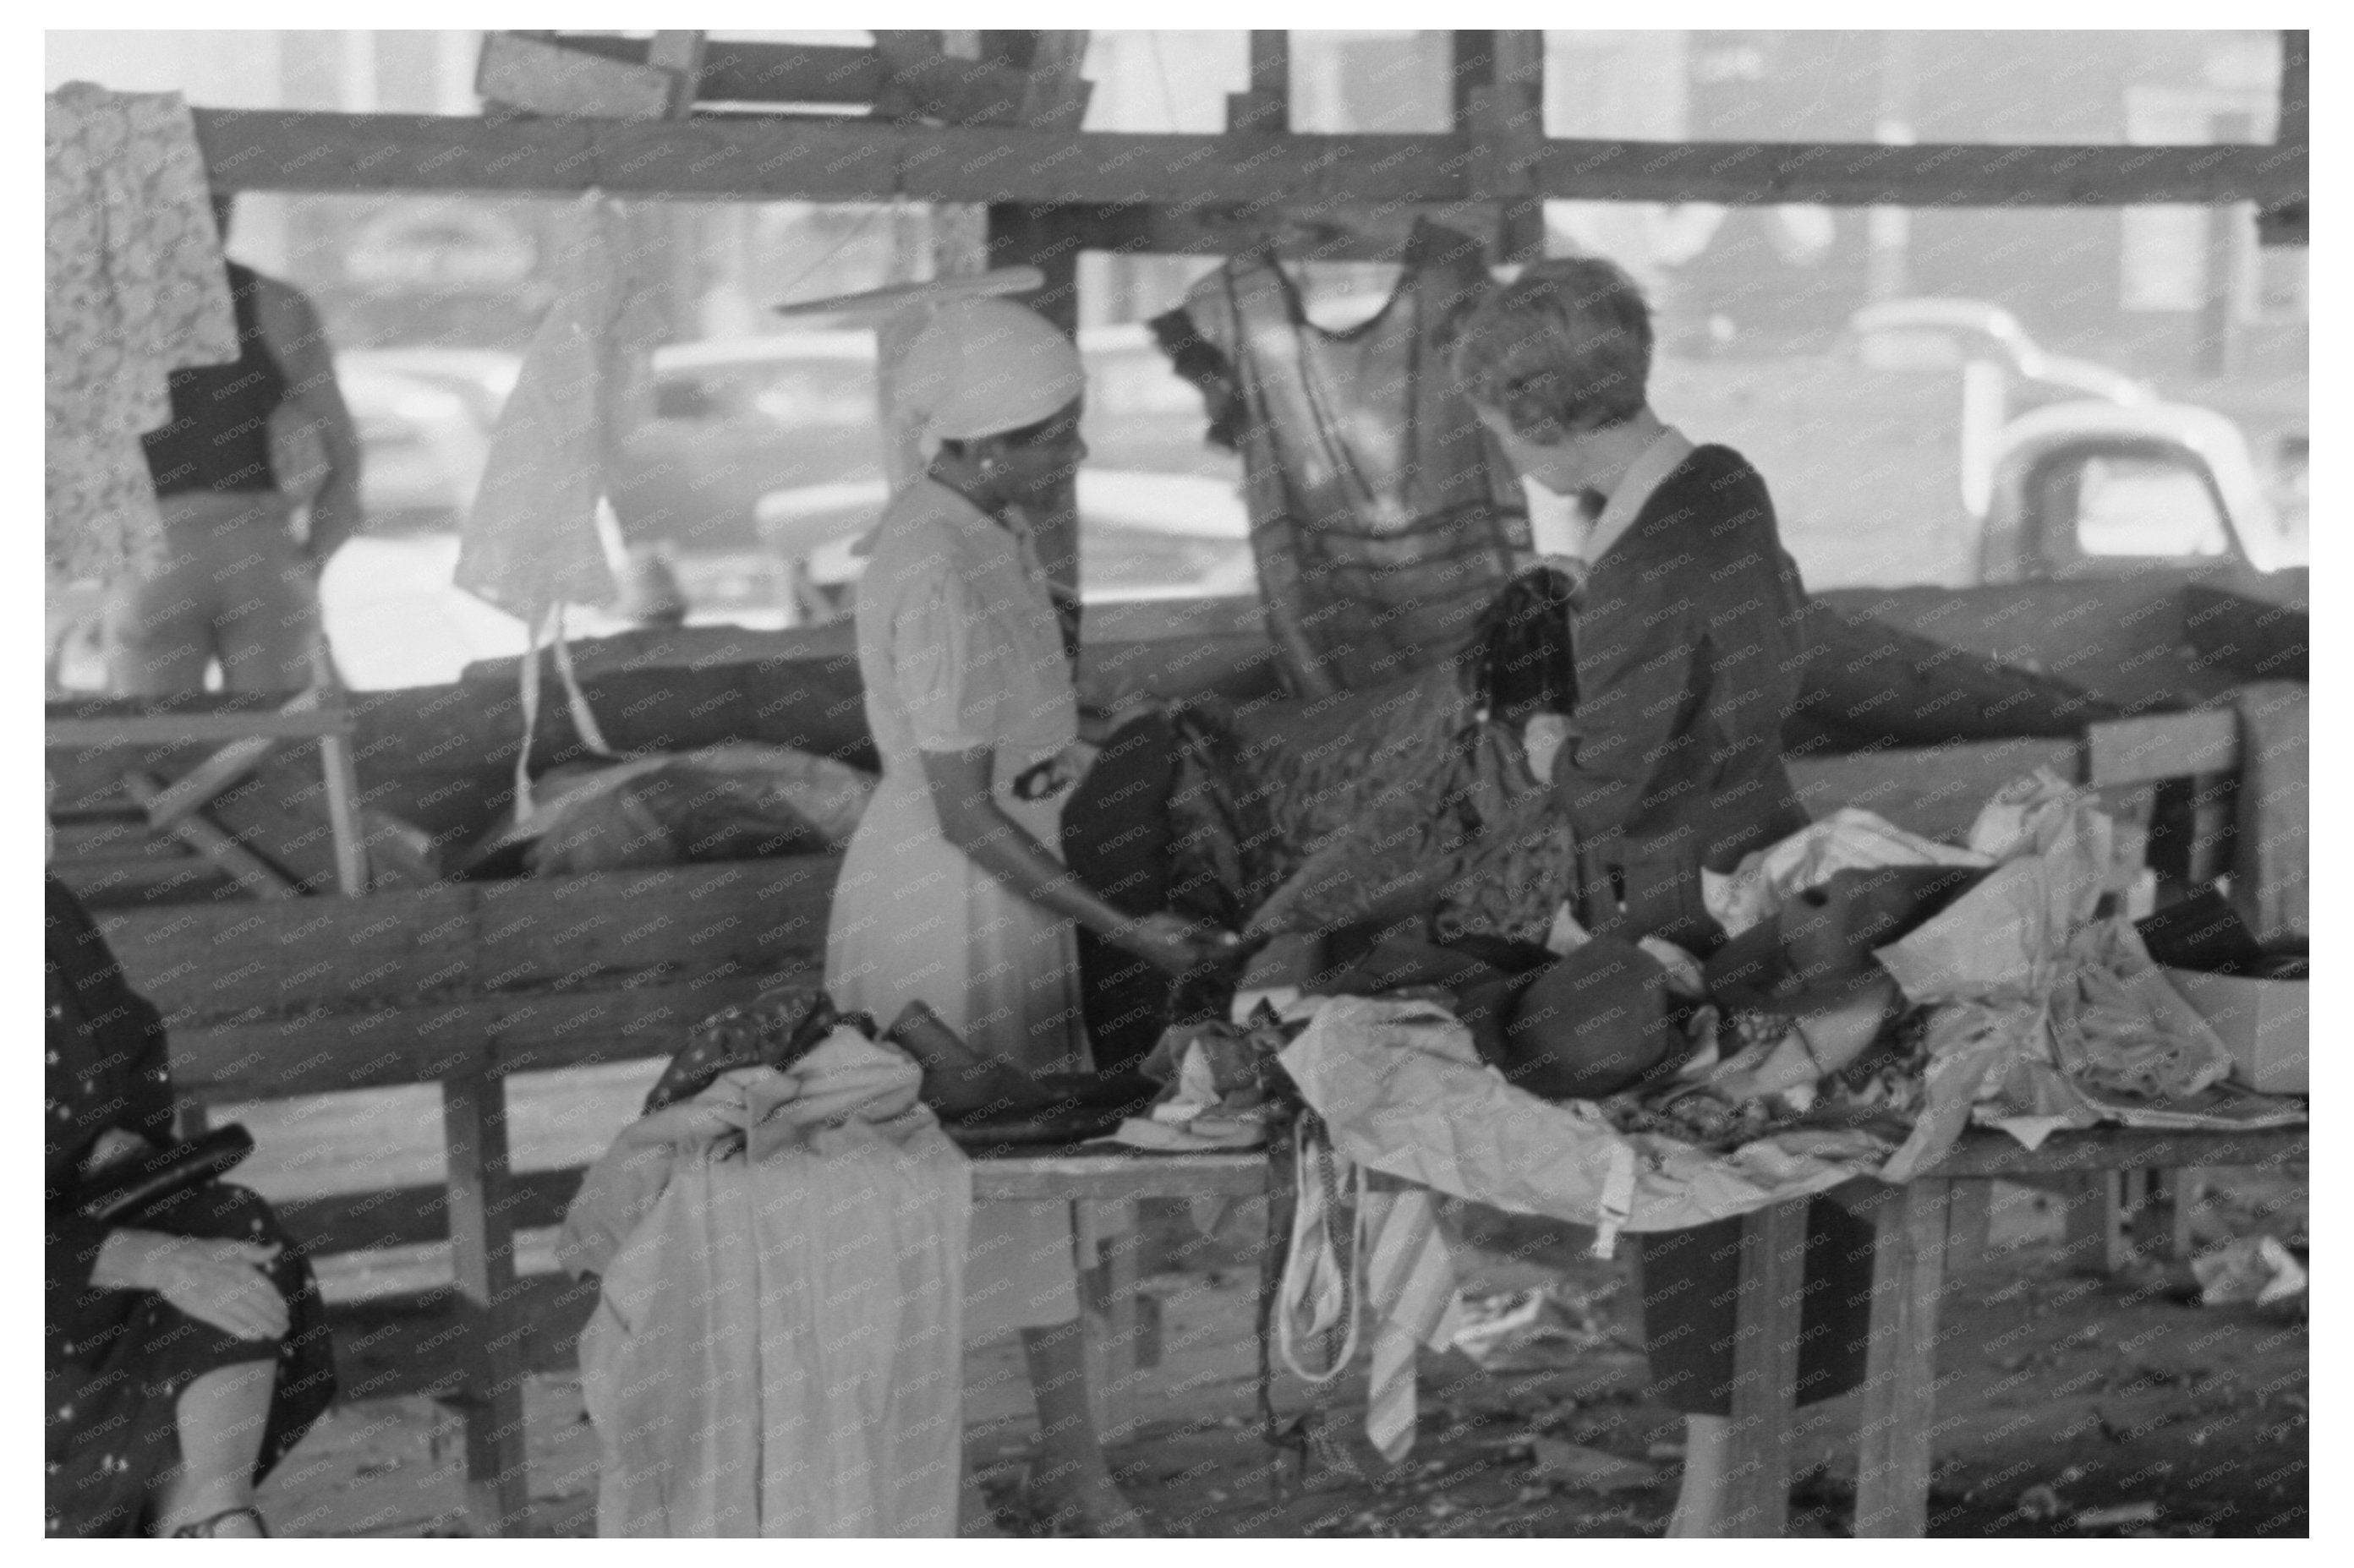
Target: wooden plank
[[300, 149], [1934, 791], [1116, 1177], [679, 52], [226, 964], [343, 786], [482, 1251], [2093, 1214], [66, 731], [740, 71], [1054, 95], [546, 78], [1265, 108], [408, 1216], [533, 1032], [2161, 745], [2118, 1149], [1111, 1311], [1908, 1275], [748, 916], [253, 873], [221, 770], [206, 964], [1765, 1370]]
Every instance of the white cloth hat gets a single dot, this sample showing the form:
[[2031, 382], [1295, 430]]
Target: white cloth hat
[[983, 366]]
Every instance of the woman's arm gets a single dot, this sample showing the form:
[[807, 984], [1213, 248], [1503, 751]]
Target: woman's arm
[[971, 819], [215, 1282], [290, 327]]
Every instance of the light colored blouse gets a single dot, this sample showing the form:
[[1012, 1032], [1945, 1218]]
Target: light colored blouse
[[957, 640]]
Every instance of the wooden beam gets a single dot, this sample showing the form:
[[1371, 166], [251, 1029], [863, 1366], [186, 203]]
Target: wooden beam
[[1766, 1314], [481, 1256], [1500, 99], [741, 72], [1265, 108], [1900, 1379], [2163, 745], [1055, 95], [252, 872], [68, 730], [290, 150], [2285, 223]]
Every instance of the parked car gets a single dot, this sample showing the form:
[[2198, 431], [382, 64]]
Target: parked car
[[2093, 490], [422, 447], [1142, 536], [482, 378], [736, 420], [1947, 332]]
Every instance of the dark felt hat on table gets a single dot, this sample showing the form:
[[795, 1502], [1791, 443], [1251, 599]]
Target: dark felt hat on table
[[1592, 1025]]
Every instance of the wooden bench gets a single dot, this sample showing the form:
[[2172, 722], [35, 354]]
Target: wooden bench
[[460, 986]]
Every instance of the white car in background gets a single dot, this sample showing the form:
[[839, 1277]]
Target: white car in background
[[1142, 536]]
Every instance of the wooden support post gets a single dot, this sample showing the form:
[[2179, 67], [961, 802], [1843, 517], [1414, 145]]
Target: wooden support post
[[1050, 238], [1265, 109], [342, 782], [1969, 1225], [2285, 223], [2183, 1190], [2096, 1237], [482, 1255], [1113, 1313], [1057, 96], [1499, 86], [680, 53], [1765, 1370], [1908, 1275]]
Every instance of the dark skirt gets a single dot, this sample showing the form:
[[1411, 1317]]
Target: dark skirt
[[112, 1431], [1690, 1286]]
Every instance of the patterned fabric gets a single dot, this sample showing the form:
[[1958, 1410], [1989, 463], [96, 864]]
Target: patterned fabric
[[136, 288], [1382, 517], [774, 1031]]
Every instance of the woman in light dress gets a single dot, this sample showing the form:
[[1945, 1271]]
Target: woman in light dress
[[952, 892]]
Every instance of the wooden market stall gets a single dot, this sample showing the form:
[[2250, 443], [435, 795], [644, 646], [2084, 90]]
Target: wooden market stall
[[458, 985]]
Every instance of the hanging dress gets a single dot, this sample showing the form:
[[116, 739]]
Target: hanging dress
[[1382, 517]]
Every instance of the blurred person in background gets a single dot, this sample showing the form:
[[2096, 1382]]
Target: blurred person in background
[[248, 445]]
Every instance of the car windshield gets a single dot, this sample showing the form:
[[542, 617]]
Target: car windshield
[[833, 394]]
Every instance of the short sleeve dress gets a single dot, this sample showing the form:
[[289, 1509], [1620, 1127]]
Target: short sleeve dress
[[960, 648]]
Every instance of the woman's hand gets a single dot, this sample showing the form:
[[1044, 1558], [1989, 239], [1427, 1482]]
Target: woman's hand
[[217, 1282], [113, 1147], [1171, 943]]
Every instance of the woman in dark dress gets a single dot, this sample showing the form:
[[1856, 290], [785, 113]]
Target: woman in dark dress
[[185, 1356], [1686, 632]]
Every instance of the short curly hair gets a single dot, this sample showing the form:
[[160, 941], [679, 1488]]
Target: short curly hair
[[1565, 346]]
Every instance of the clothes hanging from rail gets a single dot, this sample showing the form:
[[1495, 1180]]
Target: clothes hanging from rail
[[1382, 518], [541, 534], [135, 289]]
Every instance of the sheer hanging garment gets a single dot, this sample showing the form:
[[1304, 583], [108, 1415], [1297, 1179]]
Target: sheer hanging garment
[[1382, 518]]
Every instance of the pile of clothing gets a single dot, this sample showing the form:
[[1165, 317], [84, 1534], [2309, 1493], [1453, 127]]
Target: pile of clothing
[[1632, 1087], [777, 1347]]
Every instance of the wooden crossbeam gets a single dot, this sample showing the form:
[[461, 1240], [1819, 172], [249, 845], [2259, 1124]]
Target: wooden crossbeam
[[295, 150], [253, 873]]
